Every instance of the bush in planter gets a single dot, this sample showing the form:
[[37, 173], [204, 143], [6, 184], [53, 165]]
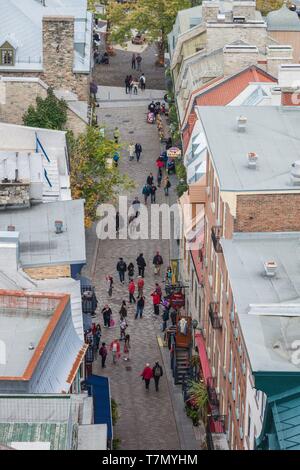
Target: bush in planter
[[198, 399]]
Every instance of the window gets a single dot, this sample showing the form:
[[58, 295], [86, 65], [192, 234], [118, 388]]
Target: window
[[249, 423], [7, 54]]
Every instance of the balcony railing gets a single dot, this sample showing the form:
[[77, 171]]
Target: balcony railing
[[216, 424], [216, 233], [211, 390], [213, 311]]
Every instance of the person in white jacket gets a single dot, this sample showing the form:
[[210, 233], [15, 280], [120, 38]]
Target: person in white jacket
[[131, 149]]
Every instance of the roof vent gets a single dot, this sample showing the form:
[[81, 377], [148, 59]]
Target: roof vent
[[221, 18], [270, 268], [241, 123], [239, 19], [58, 226], [31, 346], [252, 160], [295, 173], [11, 228]]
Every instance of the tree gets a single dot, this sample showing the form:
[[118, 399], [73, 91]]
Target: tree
[[92, 178], [155, 18], [265, 6], [49, 113]]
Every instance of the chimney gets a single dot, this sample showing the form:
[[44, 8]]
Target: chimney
[[241, 123], [252, 160], [11, 228], [290, 96], [295, 173], [58, 226], [270, 268], [210, 11]]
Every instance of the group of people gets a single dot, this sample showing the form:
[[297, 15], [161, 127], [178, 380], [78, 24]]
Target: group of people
[[149, 189], [136, 62], [132, 84], [135, 150]]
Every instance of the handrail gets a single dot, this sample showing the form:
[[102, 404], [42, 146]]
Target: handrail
[[38, 143], [46, 176]]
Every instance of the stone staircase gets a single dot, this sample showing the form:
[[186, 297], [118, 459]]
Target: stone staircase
[[51, 193], [182, 364]]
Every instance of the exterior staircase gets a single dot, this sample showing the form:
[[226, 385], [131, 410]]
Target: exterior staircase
[[51, 193], [182, 364]]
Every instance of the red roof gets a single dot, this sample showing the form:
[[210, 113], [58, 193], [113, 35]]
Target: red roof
[[223, 92]]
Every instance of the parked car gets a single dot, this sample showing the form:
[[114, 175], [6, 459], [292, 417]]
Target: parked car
[[139, 38]]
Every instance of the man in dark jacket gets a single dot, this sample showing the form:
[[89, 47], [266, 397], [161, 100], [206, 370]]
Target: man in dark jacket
[[150, 179], [138, 151], [157, 374], [107, 313], [141, 263], [89, 302], [157, 261], [121, 268]]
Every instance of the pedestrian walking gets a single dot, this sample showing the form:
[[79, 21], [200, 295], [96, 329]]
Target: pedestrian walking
[[173, 317], [117, 221], [131, 150], [97, 336], [157, 373], [103, 354], [169, 275], [167, 185], [159, 177], [109, 284], [130, 84], [150, 179], [127, 85], [107, 313], [136, 206], [130, 271], [140, 306], [153, 193], [121, 268], [157, 262], [143, 81], [138, 150], [123, 310], [133, 61], [139, 62], [131, 290], [115, 350], [165, 318], [140, 285], [141, 263], [127, 348], [123, 326], [158, 290], [116, 135], [156, 302], [135, 85], [116, 159], [147, 375], [146, 192]]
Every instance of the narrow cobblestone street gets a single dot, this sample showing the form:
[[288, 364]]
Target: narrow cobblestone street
[[146, 418]]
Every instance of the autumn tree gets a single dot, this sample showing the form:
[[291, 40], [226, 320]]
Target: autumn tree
[[155, 18], [93, 178], [265, 6], [49, 113]]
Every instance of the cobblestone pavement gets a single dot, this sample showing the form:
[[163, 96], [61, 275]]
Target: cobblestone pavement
[[146, 418], [120, 65]]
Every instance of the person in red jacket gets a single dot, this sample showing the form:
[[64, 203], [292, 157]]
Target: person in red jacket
[[131, 290], [115, 349], [140, 285], [156, 302], [147, 375]]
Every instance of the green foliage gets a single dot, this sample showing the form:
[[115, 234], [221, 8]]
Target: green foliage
[[198, 394], [93, 178], [49, 113], [114, 411], [116, 444], [265, 6], [155, 18]]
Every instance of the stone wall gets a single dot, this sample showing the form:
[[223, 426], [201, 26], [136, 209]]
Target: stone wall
[[19, 95], [210, 11], [268, 213], [244, 8], [49, 272], [14, 195], [220, 34], [237, 59]]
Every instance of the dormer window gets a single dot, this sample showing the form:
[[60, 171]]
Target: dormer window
[[7, 54]]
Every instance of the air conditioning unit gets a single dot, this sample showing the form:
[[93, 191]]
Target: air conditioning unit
[[241, 123], [232, 315], [241, 432], [184, 83], [236, 333], [227, 297], [213, 206], [208, 352], [237, 413], [213, 372], [233, 394], [240, 350], [244, 368], [270, 268], [210, 280], [230, 376]]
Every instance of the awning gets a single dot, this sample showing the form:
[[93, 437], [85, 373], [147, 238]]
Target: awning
[[99, 389], [205, 366]]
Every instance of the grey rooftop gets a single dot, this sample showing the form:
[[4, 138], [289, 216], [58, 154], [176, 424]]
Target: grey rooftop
[[39, 244], [268, 308], [272, 132]]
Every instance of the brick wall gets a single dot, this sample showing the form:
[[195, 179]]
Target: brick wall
[[49, 272], [268, 213]]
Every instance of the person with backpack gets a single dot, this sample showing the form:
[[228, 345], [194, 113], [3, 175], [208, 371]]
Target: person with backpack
[[140, 306], [131, 290], [116, 159], [121, 268], [103, 354], [141, 263], [143, 81], [157, 373], [130, 270], [147, 375], [146, 192], [167, 185], [138, 151], [107, 313], [158, 262]]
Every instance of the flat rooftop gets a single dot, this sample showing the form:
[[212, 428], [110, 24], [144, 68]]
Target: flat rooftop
[[268, 308], [272, 132], [39, 244]]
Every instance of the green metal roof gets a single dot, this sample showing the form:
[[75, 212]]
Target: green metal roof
[[55, 433], [281, 428]]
